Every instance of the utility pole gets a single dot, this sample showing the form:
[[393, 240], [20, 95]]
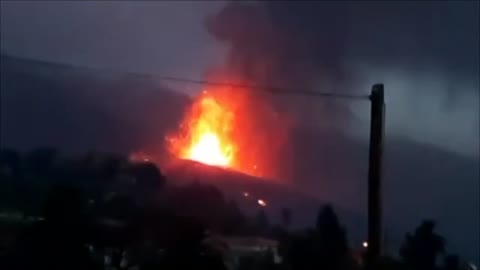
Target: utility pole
[[377, 121]]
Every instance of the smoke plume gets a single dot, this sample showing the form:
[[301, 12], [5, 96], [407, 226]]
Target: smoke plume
[[342, 46], [269, 46]]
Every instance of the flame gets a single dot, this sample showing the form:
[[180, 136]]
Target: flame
[[230, 127], [207, 134], [210, 143], [208, 150]]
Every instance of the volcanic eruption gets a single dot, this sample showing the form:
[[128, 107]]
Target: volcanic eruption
[[208, 140], [230, 127], [245, 128]]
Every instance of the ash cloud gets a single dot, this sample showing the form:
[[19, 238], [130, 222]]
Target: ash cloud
[[277, 44], [270, 44], [421, 51], [298, 43]]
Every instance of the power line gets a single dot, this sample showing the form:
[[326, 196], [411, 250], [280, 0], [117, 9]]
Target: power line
[[271, 89]]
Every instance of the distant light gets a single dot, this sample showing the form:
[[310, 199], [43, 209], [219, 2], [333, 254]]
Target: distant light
[[246, 194], [472, 266], [262, 203], [365, 244]]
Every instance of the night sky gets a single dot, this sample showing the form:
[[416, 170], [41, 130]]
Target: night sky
[[426, 54]]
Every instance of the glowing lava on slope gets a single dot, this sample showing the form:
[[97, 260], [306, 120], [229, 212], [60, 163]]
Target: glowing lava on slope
[[206, 133]]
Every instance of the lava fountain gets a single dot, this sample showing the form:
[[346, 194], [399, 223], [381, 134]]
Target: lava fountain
[[210, 127], [232, 128], [206, 134]]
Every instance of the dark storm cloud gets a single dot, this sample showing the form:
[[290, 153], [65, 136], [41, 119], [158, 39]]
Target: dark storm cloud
[[78, 110], [296, 40], [426, 53], [268, 47], [159, 37]]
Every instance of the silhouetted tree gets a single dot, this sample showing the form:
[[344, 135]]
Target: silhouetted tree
[[111, 167], [262, 261], [41, 160], [286, 217], [420, 249], [267, 261], [149, 182], [58, 242], [187, 250], [390, 263], [64, 205], [331, 240], [10, 162], [262, 223], [452, 262], [299, 251], [204, 202], [246, 263], [147, 175], [10, 176], [324, 248], [235, 221]]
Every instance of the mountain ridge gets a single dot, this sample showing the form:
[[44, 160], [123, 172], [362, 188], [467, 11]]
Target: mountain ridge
[[81, 111]]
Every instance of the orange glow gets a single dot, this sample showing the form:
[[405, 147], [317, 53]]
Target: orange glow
[[233, 128], [209, 142], [209, 151], [208, 134], [262, 203]]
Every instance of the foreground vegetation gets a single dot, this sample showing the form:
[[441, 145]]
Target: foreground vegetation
[[61, 213]]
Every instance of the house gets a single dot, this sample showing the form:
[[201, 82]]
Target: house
[[234, 248]]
